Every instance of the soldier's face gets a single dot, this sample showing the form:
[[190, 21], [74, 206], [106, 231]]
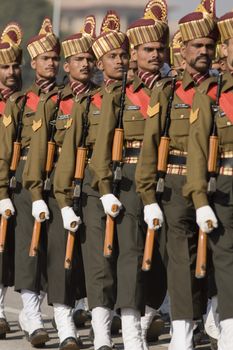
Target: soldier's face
[[80, 67], [198, 54], [150, 56], [10, 75], [46, 65], [113, 64], [228, 52]]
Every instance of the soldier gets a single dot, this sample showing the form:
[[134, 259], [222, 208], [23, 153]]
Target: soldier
[[30, 273], [63, 286], [218, 207], [149, 37], [111, 50], [177, 61], [10, 82], [198, 50]]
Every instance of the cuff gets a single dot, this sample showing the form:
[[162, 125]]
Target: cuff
[[200, 199]]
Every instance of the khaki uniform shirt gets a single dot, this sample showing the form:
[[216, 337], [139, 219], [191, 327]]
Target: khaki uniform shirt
[[178, 132], [198, 147], [65, 168], [8, 128]]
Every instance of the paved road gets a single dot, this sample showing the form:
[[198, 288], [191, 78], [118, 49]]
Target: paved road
[[16, 340]]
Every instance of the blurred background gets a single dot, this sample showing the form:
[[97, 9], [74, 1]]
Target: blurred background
[[68, 15]]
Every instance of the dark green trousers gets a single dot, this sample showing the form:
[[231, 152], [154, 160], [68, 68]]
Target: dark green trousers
[[7, 265], [187, 294], [221, 242], [30, 272]]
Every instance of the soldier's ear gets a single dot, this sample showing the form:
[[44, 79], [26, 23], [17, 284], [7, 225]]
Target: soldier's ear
[[134, 55], [66, 67], [183, 51], [100, 65], [33, 64], [224, 50]]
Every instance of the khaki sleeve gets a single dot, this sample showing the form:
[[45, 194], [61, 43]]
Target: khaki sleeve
[[100, 164], [7, 134], [147, 165], [34, 170], [65, 169], [198, 149]]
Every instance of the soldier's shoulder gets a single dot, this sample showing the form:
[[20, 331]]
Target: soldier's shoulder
[[163, 83]]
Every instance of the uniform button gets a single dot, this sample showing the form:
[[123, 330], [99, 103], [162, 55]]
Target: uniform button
[[42, 98], [182, 116], [228, 123]]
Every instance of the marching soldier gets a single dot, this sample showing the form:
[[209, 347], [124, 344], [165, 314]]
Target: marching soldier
[[177, 61], [22, 117], [10, 82], [111, 50], [198, 31], [63, 286], [149, 37], [218, 207]]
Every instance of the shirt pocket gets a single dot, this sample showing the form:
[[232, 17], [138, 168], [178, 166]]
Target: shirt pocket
[[225, 130], [28, 118], [134, 124], [94, 120], [179, 125]]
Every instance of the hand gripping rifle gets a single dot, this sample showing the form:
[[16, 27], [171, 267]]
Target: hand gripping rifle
[[47, 183], [13, 167], [117, 150], [164, 143], [81, 157], [212, 169]]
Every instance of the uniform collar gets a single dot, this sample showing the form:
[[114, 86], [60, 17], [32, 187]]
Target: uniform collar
[[227, 82]]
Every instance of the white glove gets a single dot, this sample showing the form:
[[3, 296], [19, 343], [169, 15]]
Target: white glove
[[152, 212], [108, 201], [6, 204], [203, 215], [39, 207], [69, 217]]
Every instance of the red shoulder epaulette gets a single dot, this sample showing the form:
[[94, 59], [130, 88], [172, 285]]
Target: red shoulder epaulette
[[97, 100]]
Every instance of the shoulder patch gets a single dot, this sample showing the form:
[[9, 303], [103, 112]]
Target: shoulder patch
[[68, 124], [36, 125], [194, 115], [151, 111], [6, 120]]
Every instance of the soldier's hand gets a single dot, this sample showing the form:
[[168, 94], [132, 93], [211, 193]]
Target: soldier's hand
[[152, 212], [71, 221], [204, 215], [111, 204], [6, 205], [39, 207]]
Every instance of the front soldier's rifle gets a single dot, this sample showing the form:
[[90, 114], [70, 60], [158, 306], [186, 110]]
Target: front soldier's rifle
[[81, 157], [164, 143], [212, 170], [13, 166], [33, 251], [161, 173], [117, 151]]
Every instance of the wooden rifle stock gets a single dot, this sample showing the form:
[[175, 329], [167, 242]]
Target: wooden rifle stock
[[213, 154], [109, 233], [109, 228], [149, 246], [50, 156], [202, 253], [70, 248], [3, 230], [15, 156], [163, 153], [81, 157], [36, 237]]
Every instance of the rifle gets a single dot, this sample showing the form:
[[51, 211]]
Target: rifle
[[13, 167], [149, 245], [212, 167], [81, 157], [17, 145], [202, 252], [213, 143], [3, 230], [164, 143], [33, 251], [117, 149]]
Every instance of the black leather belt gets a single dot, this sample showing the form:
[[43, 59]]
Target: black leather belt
[[226, 162], [131, 152], [176, 160]]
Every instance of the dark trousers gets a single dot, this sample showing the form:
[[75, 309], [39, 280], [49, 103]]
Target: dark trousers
[[187, 294]]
